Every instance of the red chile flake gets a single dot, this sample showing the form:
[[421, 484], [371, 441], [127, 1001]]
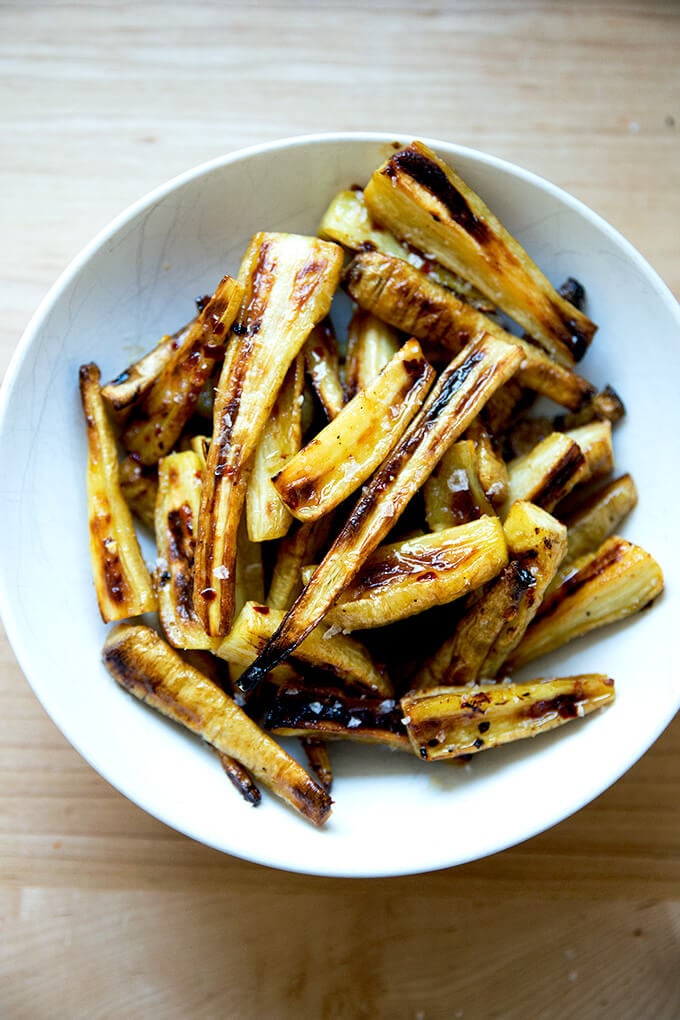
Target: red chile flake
[[261, 609], [209, 594]]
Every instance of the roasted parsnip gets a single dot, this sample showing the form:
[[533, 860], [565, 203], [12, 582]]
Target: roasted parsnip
[[493, 624], [324, 649], [490, 468], [335, 715], [266, 514], [410, 301], [603, 406], [425, 203], [180, 477], [523, 433], [409, 577], [547, 473], [371, 344], [158, 420], [141, 662], [349, 449], [323, 368], [599, 516], [619, 579], [537, 543], [121, 579], [455, 400], [288, 283], [139, 486], [249, 585], [450, 721]]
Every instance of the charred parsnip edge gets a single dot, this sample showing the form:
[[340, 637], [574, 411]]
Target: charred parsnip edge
[[336, 715]]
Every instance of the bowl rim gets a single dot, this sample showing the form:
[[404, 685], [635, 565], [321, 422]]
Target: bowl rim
[[70, 272]]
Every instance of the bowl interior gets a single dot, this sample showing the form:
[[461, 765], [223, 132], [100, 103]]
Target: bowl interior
[[393, 814]]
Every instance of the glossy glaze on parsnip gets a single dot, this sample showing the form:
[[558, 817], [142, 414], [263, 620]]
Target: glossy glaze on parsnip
[[336, 715], [447, 722], [409, 577]]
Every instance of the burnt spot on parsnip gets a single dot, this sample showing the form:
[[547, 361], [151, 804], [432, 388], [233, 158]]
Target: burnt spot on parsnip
[[430, 176]]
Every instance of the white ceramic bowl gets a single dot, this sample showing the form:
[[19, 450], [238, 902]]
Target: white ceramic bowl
[[393, 814]]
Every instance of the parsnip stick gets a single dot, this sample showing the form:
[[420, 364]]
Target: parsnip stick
[[323, 369], [336, 653], [121, 579], [343, 455], [288, 283]]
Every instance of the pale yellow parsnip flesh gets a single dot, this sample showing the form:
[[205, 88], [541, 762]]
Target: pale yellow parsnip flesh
[[343, 455], [409, 577]]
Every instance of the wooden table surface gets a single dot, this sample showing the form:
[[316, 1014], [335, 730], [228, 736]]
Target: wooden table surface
[[104, 912]]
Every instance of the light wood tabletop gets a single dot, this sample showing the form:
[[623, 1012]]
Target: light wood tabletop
[[104, 912]]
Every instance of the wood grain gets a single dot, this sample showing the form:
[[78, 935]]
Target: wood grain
[[105, 911]]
